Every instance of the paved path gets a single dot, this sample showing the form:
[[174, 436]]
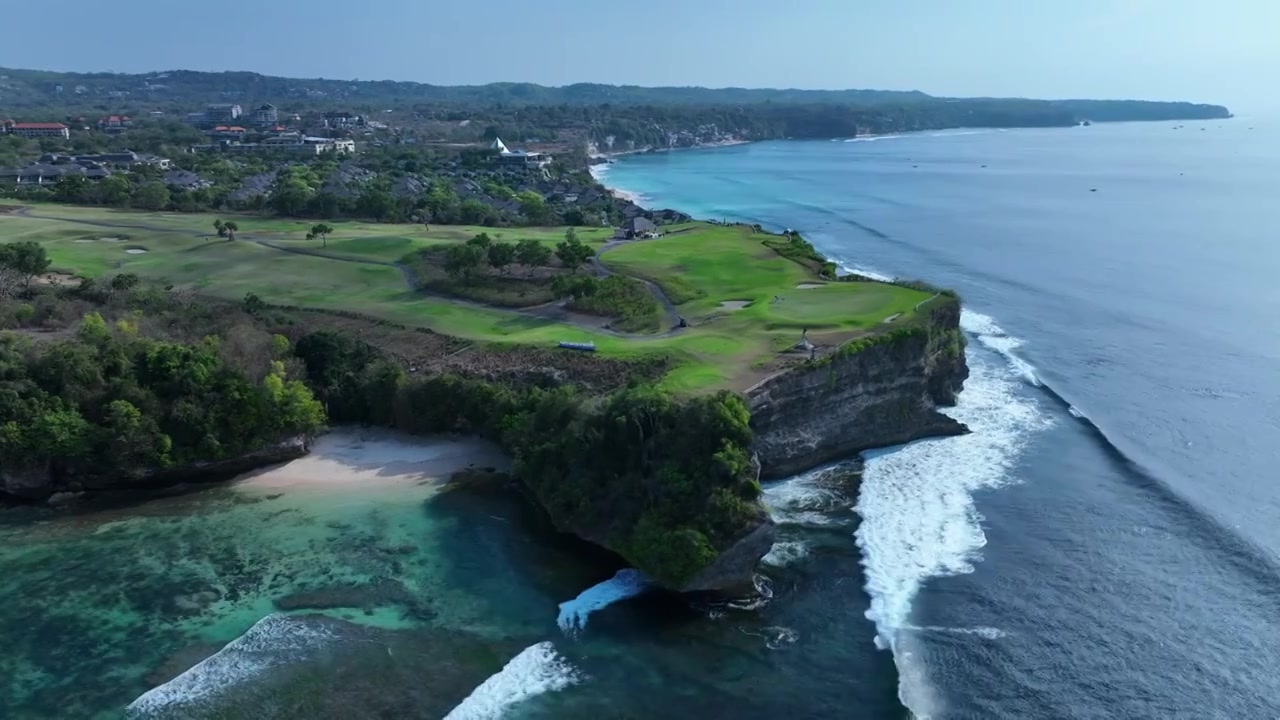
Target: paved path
[[553, 311]]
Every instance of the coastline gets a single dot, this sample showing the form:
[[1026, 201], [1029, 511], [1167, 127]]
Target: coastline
[[599, 170]]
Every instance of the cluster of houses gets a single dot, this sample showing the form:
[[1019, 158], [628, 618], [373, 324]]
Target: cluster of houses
[[52, 167]]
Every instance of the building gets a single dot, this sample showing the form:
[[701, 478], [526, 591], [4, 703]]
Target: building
[[344, 121], [292, 146], [636, 228], [46, 174], [125, 159], [227, 132], [37, 130], [115, 123], [222, 113], [520, 158], [266, 114]]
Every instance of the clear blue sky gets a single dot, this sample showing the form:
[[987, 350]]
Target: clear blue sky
[[1227, 52]]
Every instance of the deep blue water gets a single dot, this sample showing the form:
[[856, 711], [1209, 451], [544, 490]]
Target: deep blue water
[[1107, 542]]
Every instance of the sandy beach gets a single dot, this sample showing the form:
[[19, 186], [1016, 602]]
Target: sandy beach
[[376, 459]]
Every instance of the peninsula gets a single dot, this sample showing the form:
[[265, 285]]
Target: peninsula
[[188, 288]]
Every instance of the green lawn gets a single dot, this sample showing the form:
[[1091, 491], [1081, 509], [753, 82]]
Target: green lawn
[[701, 267]]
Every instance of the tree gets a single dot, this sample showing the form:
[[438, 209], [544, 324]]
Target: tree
[[71, 189], [152, 196], [124, 282], [114, 190], [462, 260], [377, 204], [573, 253], [221, 227], [571, 235], [132, 440], [482, 241], [27, 258], [533, 207], [501, 255], [320, 230], [232, 228], [532, 253], [291, 197]]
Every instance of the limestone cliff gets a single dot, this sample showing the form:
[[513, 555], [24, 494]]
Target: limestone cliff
[[873, 392]]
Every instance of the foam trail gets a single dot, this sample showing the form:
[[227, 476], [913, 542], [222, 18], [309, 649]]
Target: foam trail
[[993, 336], [785, 553], [874, 138], [863, 271], [918, 515], [982, 631], [272, 641], [810, 499], [536, 670], [628, 582]]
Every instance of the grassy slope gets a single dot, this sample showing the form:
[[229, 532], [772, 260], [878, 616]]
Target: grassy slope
[[709, 263]]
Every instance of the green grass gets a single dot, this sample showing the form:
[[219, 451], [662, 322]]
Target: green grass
[[700, 267]]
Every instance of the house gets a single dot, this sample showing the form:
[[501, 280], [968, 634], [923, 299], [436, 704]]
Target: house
[[227, 132], [36, 130], [265, 114], [636, 228], [115, 123], [126, 159], [293, 146], [222, 112], [518, 158], [344, 120], [46, 174]]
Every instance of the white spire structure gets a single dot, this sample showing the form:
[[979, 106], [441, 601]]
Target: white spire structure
[[499, 147]]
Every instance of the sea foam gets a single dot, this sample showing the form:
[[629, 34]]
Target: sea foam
[[918, 515], [628, 582], [273, 641], [536, 670], [990, 334]]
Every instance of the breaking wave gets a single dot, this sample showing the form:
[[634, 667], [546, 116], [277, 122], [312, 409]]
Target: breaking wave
[[273, 641], [813, 499], [919, 520], [785, 553], [536, 670], [985, 329], [628, 582]]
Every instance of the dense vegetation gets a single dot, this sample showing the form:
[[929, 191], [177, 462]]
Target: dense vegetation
[[665, 483], [107, 401]]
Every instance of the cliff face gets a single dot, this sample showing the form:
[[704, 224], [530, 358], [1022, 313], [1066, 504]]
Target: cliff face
[[44, 483], [886, 393]]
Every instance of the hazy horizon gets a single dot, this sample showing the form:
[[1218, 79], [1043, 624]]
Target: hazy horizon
[[1097, 49]]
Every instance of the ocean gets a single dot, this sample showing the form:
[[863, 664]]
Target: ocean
[[1105, 543]]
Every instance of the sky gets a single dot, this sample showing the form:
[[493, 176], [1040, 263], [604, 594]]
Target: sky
[[1225, 52]]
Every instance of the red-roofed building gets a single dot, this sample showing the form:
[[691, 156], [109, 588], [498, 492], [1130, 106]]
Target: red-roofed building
[[37, 130], [115, 123]]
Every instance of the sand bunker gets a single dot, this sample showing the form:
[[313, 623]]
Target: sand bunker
[[110, 239], [135, 251], [735, 304], [892, 317], [810, 286]]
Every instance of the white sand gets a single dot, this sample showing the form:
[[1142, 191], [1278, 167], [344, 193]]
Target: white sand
[[734, 304], [810, 286], [135, 251], [350, 458]]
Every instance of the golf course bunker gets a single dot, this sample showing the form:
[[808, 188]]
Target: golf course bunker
[[810, 286], [135, 250], [735, 304], [111, 239]]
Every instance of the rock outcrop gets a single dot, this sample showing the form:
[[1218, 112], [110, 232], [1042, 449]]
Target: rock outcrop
[[46, 484], [884, 393]]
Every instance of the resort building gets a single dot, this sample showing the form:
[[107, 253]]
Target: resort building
[[36, 130], [506, 156]]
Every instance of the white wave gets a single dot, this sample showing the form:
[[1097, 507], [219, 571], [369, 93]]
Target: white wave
[[272, 641], [536, 670], [775, 636], [874, 138], [599, 172], [628, 582], [957, 134], [918, 515], [990, 334], [785, 553], [863, 271], [982, 631], [809, 499], [1075, 413]]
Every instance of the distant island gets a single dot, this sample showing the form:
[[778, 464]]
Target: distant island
[[201, 270]]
